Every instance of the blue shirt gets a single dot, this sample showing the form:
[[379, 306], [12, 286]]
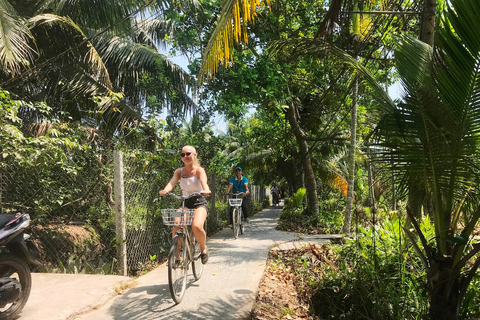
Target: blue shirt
[[239, 185]]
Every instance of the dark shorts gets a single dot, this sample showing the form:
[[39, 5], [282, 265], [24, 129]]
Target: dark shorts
[[195, 202]]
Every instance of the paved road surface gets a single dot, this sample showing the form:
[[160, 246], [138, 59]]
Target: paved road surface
[[226, 290]]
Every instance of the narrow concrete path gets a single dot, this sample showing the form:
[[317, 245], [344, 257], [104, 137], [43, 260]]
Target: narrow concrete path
[[227, 289]]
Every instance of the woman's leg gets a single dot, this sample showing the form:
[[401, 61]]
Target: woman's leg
[[174, 230], [179, 244], [197, 228]]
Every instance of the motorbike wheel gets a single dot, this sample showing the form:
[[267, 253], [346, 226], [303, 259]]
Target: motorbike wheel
[[13, 267]]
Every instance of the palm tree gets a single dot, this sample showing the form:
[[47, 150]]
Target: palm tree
[[432, 137], [68, 52]]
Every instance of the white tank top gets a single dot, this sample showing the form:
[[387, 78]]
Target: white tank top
[[191, 184]]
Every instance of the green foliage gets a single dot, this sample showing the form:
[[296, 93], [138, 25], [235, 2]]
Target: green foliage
[[77, 265], [430, 141], [292, 211], [329, 220], [471, 303], [111, 47], [295, 202], [10, 134], [378, 275], [330, 217]]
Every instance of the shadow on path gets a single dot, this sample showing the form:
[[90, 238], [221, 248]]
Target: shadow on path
[[228, 286]]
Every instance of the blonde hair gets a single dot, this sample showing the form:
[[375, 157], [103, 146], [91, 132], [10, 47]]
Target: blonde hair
[[195, 159]]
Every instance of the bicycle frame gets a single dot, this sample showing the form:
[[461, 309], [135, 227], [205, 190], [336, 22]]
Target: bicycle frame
[[236, 204], [184, 250]]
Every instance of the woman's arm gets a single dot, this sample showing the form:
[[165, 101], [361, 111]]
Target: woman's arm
[[171, 184], [202, 175]]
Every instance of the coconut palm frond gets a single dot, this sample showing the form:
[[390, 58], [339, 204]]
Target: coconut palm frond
[[191, 5], [130, 61], [152, 32], [432, 136], [118, 115], [70, 41], [99, 14], [258, 157], [15, 37], [318, 48], [175, 90], [231, 28]]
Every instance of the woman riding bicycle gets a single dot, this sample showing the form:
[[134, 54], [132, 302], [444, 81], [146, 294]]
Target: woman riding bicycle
[[192, 179]]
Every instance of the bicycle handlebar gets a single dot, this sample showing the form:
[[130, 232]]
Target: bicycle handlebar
[[182, 197], [238, 194]]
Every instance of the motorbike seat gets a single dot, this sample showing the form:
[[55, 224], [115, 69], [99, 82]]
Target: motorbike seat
[[6, 218]]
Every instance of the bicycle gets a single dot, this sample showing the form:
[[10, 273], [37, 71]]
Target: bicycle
[[184, 250], [237, 213]]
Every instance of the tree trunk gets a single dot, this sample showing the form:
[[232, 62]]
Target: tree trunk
[[371, 187], [427, 32], [427, 27], [444, 296], [394, 193], [310, 182], [351, 163]]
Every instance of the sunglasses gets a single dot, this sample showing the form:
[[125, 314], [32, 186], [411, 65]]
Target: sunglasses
[[186, 154]]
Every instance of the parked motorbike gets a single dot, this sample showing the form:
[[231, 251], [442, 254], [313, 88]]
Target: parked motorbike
[[16, 253]]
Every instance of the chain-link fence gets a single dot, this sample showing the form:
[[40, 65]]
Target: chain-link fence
[[147, 240], [66, 192], [71, 199]]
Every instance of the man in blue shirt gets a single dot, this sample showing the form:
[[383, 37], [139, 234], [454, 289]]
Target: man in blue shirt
[[239, 183]]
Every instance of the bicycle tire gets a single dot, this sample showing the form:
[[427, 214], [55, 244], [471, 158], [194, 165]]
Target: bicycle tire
[[235, 223], [242, 223], [16, 268], [177, 272], [197, 265]]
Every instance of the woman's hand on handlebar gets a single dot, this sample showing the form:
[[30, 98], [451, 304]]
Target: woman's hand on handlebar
[[163, 193]]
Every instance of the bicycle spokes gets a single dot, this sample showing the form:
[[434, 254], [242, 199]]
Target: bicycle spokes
[[177, 268]]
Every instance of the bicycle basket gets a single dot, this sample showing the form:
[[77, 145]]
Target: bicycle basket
[[174, 217], [235, 202]]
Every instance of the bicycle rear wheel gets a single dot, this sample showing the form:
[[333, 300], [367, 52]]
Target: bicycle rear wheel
[[177, 269], [197, 265], [241, 222], [235, 224]]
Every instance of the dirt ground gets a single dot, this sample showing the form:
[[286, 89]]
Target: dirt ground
[[287, 283]]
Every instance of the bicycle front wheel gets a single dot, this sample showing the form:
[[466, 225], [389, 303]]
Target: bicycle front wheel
[[177, 269], [197, 265], [236, 224]]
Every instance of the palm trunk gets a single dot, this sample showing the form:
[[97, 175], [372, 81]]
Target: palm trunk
[[444, 294], [427, 27], [310, 182]]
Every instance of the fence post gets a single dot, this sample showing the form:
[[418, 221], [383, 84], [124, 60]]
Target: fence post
[[120, 213]]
